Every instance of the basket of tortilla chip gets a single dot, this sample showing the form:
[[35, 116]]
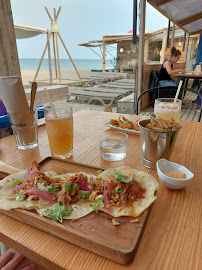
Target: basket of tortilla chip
[[119, 192]]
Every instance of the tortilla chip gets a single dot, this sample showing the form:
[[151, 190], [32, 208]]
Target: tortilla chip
[[7, 197], [146, 180]]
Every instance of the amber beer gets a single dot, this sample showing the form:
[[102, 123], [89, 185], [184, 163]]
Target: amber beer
[[60, 130], [165, 109]]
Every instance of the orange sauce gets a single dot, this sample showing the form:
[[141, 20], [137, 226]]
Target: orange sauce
[[176, 174]]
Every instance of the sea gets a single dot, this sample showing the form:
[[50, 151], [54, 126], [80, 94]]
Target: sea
[[32, 64]]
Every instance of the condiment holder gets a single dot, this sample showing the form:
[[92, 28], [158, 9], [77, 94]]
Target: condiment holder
[[163, 165]]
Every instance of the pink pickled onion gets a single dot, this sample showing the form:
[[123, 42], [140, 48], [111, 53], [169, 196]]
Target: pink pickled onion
[[20, 186], [83, 185], [92, 183], [110, 185], [40, 193], [31, 173], [106, 200]]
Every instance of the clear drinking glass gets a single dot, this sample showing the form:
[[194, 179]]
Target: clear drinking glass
[[26, 134], [60, 130], [165, 108], [113, 145]]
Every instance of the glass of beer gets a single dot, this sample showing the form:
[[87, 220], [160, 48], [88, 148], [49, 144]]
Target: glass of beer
[[166, 109], [59, 126]]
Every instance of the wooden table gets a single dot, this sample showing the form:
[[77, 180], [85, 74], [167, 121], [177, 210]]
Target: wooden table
[[187, 76], [173, 235]]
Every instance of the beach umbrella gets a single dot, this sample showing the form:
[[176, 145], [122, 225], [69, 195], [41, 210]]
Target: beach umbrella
[[130, 32]]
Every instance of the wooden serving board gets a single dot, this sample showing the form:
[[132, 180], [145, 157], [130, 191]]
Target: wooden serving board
[[94, 232]]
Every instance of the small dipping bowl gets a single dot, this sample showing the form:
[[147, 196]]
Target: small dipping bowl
[[163, 165]]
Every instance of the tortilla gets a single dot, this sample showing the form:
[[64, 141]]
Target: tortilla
[[146, 180], [7, 197]]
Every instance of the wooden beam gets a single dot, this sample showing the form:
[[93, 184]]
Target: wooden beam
[[173, 36], [186, 49], [58, 57], [163, 50], [146, 50], [49, 60], [48, 14], [104, 54], [9, 62], [54, 52], [190, 19], [141, 45], [69, 56], [58, 13], [163, 2]]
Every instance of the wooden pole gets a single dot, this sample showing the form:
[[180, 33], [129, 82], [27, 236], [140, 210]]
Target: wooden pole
[[104, 54], [146, 50], [173, 35], [49, 59], [54, 52], [42, 57], [69, 55], [186, 48], [58, 57], [48, 14], [58, 13], [141, 45], [9, 62], [163, 50]]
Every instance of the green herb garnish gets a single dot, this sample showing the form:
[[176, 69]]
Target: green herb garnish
[[20, 196], [95, 208], [53, 189], [128, 121], [118, 189], [84, 194], [58, 212], [69, 187], [122, 178], [17, 182], [75, 186]]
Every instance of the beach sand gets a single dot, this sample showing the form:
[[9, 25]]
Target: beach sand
[[70, 74]]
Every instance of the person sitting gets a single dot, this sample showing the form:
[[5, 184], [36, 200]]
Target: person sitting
[[166, 69]]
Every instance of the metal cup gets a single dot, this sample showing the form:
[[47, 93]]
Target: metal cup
[[156, 144]]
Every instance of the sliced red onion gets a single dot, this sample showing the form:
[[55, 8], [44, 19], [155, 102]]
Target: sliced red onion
[[110, 185], [31, 173], [20, 186], [40, 193], [83, 185], [92, 183]]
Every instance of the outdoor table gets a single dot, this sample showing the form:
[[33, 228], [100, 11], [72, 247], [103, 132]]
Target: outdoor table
[[172, 238], [187, 76]]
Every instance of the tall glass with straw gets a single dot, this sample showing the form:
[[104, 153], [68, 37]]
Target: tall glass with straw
[[169, 108], [59, 126]]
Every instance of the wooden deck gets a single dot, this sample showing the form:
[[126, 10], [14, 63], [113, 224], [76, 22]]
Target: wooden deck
[[189, 113]]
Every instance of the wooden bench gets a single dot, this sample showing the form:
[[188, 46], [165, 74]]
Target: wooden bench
[[56, 92]]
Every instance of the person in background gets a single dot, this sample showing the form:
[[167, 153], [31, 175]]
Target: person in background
[[166, 69]]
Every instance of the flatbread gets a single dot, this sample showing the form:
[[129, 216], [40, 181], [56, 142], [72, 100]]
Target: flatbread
[[146, 180], [7, 197]]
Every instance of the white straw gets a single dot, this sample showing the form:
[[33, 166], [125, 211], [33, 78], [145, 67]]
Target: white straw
[[51, 103], [178, 91]]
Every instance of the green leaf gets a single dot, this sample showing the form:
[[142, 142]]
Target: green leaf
[[17, 182], [53, 189], [128, 121], [99, 172], [95, 208], [75, 186], [122, 178], [58, 212], [69, 187]]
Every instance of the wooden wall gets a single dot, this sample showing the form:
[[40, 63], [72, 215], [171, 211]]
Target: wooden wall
[[127, 55]]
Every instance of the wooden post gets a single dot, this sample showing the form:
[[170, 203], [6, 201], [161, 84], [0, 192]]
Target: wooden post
[[141, 45], [173, 35], [146, 50], [49, 59], [54, 52], [186, 48], [42, 57], [104, 55], [163, 50], [9, 62], [69, 56], [58, 57]]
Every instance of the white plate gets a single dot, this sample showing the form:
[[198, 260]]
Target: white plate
[[126, 130]]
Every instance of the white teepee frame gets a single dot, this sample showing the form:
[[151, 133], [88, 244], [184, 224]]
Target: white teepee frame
[[54, 32]]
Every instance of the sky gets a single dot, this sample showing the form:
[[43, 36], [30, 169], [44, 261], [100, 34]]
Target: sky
[[79, 21]]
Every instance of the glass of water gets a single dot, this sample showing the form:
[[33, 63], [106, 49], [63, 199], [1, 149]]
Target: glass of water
[[113, 145]]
